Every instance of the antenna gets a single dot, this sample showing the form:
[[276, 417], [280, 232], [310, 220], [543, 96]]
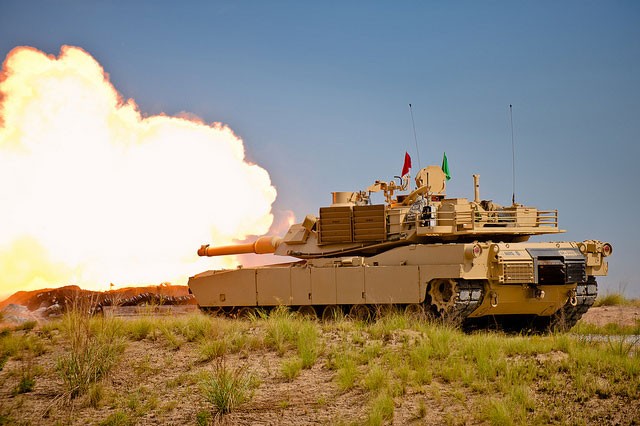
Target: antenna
[[513, 156], [415, 138]]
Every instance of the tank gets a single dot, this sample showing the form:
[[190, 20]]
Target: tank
[[421, 251]]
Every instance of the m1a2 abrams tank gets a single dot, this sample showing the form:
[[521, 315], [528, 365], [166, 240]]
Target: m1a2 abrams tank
[[420, 251]]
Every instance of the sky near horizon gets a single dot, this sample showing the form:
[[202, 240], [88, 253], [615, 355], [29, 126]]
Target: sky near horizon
[[319, 93]]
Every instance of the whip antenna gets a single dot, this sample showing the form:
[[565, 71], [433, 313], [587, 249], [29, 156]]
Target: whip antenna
[[513, 156], [415, 138]]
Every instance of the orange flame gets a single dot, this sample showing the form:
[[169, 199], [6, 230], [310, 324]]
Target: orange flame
[[93, 192]]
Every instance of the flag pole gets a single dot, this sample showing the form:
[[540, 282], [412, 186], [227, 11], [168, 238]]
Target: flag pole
[[513, 157], [415, 138]]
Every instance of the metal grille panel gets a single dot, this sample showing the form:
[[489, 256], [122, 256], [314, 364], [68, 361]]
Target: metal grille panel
[[517, 272]]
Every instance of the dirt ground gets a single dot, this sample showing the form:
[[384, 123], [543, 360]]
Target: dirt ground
[[621, 315], [159, 386]]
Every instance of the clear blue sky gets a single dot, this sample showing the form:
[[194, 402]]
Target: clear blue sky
[[319, 91]]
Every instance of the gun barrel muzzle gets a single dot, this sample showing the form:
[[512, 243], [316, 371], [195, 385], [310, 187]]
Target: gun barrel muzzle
[[262, 245]]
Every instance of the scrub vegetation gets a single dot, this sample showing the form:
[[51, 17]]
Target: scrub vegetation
[[286, 369], [615, 299]]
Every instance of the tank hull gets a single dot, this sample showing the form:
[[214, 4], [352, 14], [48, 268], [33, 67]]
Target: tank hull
[[471, 280]]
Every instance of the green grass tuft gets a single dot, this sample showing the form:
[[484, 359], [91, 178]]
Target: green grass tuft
[[608, 329], [376, 379], [119, 418], [291, 368], [94, 349], [26, 384], [381, 410], [226, 389], [27, 325], [396, 360], [346, 369], [204, 418], [195, 327], [210, 349], [307, 343], [139, 328], [96, 395], [613, 299]]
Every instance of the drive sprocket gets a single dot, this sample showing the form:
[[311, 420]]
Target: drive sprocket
[[443, 294], [454, 299]]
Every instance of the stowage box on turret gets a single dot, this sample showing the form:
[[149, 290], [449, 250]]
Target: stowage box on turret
[[419, 251]]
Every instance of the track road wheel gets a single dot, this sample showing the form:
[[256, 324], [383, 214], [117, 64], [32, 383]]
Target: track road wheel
[[384, 310], [246, 312], [415, 311], [216, 311], [443, 294], [360, 313], [308, 312], [331, 313]]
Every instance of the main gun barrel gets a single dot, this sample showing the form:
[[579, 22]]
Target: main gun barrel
[[262, 245]]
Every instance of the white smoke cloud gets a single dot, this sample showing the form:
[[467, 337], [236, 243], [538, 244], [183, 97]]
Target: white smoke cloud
[[92, 192]]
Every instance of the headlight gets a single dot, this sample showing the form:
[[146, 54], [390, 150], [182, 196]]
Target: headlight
[[473, 251]]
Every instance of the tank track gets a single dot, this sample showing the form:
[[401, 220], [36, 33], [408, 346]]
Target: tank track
[[145, 299], [562, 320], [569, 315], [469, 295]]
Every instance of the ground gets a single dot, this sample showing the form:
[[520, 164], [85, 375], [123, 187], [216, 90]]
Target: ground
[[628, 315], [157, 377]]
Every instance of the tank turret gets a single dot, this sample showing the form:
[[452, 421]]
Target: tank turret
[[421, 250], [352, 225]]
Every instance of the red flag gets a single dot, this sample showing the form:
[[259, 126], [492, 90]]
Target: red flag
[[407, 164]]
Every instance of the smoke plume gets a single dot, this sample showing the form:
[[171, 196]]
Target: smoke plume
[[92, 192]]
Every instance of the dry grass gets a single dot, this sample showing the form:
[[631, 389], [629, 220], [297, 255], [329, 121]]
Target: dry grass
[[226, 388], [611, 299], [615, 299], [280, 368], [95, 345]]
